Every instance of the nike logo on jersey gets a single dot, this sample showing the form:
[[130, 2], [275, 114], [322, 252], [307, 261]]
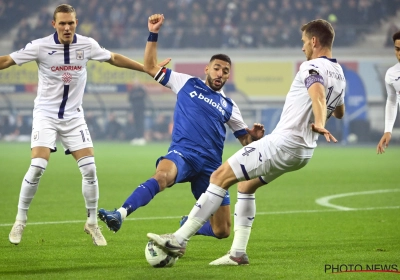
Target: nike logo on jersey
[[52, 52], [398, 78]]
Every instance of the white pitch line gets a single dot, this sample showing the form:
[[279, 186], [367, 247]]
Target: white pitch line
[[178, 217], [324, 201]]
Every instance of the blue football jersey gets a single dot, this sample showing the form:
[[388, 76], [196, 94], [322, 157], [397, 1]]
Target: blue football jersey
[[201, 114]]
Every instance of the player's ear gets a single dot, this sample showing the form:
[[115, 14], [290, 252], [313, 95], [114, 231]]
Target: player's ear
[[53, 23], [314, 41], [76, 22], [206, 70]]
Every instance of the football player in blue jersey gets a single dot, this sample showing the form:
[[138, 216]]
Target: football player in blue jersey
[[316, 94], [201, 112]]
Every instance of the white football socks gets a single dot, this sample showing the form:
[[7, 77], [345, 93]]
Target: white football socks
[[29, 187], [206, 205], [90, 187], [123, 212], [245, 211]]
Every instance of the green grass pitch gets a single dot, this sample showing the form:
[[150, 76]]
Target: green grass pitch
[[293, 237]]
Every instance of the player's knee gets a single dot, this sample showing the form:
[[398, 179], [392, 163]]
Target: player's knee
[[222, 232], [35, 172], [87, 167], [162, 179], [223, 176], [221, 229], [37, 168]]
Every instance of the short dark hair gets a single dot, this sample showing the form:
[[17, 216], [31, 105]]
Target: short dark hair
[[222, 57], [396, 36], [64, 8], [321, 29]]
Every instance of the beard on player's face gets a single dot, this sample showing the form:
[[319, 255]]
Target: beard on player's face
[[210, 82]]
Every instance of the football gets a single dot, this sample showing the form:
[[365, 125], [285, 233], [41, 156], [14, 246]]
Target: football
[[157, 257]]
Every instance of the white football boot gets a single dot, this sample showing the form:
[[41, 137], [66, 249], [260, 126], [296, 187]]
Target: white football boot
[[95, 232], [231, 260]]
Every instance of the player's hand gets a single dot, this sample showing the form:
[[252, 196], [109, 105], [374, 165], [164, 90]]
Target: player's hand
[[257, 132], [164, 62], [383, 143], [155, 22], [325, 132]]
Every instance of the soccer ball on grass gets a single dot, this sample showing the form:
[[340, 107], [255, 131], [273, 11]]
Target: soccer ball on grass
[[157, 257]]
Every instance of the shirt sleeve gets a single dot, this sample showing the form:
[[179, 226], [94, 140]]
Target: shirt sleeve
[[27, 54], [99, 53], [236, 123], [391, 105], [173, 80], [310, 74]]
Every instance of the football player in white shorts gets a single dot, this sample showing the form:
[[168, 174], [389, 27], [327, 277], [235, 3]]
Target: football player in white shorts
[[392, 83], [316, 94], [62, 59]]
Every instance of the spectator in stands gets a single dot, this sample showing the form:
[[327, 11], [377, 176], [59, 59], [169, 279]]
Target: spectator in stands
[[6, 126], [23, 34], [122, 17], [96, 132], [113, 129], [129, 129], [393, 28], [160, 130], [137, 99], [21, 131]]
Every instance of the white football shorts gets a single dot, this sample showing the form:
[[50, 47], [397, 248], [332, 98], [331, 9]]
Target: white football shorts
[[73, 133], [266, 158]]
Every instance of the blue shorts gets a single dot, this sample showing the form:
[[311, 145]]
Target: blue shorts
[[193, 168]]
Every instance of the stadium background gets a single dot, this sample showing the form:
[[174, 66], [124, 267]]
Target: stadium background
[[262, 38], [293, 237]]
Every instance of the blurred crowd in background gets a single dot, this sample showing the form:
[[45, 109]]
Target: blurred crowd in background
[[201, 24]]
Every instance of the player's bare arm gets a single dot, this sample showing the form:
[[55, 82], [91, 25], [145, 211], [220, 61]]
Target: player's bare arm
[[257, 132], [125, 62], [317, 95], [383, 143], [6, 61], [150, 54], [339, 112]]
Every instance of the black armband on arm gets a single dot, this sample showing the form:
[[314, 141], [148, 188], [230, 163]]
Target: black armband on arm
[[160, 74]]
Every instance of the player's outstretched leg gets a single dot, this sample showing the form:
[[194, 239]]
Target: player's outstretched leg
[[141, 196], [205, 230], [231, 260], [168, 243], [112, 219], [95, 233]]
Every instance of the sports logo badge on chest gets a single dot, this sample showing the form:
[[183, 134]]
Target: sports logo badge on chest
[[80, 55], [67, 78], [223, 102]]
